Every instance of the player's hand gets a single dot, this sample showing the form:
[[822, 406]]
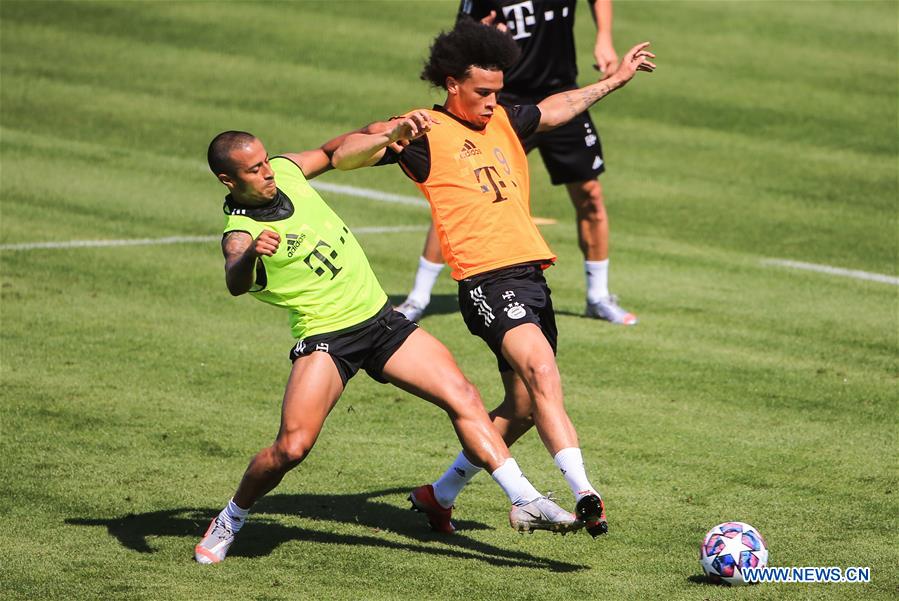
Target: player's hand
[[397, 147], [490, 20], [636, 59], [266, 244], [413, 126], [606, 58]]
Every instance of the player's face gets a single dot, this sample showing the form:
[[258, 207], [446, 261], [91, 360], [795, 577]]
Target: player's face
[[252, 181], [474, 98]]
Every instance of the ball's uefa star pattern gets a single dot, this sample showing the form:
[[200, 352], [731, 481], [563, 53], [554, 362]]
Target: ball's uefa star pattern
[[730, 547]]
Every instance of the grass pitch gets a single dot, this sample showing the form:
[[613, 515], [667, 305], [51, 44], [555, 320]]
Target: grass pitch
[[135, 389]]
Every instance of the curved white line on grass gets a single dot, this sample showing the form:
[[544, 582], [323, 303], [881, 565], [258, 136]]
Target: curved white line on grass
[[369, 193], [180, 239], [849, 273]]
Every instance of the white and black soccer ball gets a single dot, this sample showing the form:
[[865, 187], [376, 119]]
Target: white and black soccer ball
[[730, 547]]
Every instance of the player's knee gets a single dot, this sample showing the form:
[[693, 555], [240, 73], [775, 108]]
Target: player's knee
[[291, 449], [542, 375], [588, 201], [464, 397], [471, 398]]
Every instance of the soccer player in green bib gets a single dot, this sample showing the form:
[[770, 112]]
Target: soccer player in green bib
[[284, 246]]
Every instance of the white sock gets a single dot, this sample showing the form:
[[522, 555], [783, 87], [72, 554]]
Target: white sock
[[597, 280], [425, 278], [514, 483], [571, 463], [234, 516], [453, 480]]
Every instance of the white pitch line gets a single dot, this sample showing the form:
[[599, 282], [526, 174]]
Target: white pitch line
[[180, 239], [849, 273], [369, 193]]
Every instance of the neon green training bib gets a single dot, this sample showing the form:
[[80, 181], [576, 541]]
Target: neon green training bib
[[319, 272]]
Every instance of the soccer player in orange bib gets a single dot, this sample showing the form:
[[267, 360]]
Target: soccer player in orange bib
[[467, 158]]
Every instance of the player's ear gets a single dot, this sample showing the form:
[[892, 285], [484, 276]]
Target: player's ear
[[227, 180], [452, 85]]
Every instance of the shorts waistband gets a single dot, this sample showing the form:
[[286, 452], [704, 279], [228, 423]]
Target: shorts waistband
[[522, 268], [362, 324]]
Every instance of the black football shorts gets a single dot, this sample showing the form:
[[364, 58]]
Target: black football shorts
[[493, 303], [571, 153], [368, 345]]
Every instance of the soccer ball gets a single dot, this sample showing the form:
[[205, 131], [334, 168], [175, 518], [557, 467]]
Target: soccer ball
[[730, 547]]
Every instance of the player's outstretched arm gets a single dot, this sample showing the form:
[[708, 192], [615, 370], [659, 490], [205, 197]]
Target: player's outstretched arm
[[318, 160], [561, 108], [241, 252], [366, 149]]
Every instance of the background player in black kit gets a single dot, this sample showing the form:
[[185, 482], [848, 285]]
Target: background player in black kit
[[544, 30]]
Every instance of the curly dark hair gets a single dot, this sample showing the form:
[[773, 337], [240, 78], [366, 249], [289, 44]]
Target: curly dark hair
[[469, 44]]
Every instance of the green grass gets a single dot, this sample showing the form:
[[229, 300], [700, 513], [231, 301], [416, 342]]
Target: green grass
[[135, 389]]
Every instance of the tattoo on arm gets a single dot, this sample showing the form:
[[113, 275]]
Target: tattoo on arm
[[234, 245], [578, 101], [239, 267]]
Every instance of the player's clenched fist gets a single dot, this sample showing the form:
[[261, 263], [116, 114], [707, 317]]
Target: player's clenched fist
[[266, 243]]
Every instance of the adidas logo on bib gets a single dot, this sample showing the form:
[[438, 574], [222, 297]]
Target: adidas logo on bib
[[468, 150], [293, 243]]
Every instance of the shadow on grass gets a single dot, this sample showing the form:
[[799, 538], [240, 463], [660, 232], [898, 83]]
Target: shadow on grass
[[702, 579], [441, 304], [263, 533]]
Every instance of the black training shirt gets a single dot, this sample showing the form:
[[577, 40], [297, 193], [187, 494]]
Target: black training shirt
[[544, 30], [415, 158]]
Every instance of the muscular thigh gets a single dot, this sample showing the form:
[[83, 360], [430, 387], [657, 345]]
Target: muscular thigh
[[426, 368], [312, 391]]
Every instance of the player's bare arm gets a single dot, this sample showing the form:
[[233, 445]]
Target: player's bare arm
[[241, 252], [318, 160], [561, 108], [366, 149], [604, 56]]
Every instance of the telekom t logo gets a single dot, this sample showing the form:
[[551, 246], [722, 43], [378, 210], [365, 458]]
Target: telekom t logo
[[323, 260], [489, 172], [519, 17]]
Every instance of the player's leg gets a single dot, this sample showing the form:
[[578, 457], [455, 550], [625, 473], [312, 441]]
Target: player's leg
[[573, 156], [312, 390], [531, 355], [493, 305], [424, 367], [593, 238], [592, 220], [512, 418], [430, 264], [533, 397]]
